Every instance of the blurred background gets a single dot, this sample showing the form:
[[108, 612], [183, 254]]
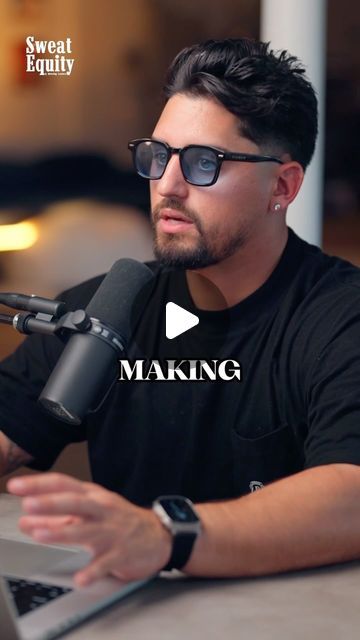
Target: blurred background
[[64, 165]]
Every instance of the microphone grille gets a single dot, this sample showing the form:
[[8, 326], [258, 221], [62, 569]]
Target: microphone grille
[[113, 300]]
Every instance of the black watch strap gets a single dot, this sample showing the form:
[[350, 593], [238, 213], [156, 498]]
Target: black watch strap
[[182, 547]]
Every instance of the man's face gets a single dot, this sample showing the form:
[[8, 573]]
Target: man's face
[[195, 227]]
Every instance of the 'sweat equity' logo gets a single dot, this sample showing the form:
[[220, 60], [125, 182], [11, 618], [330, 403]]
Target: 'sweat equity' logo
[[170, 370], [49, 57]]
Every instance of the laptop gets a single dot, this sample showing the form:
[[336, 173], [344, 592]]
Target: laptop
[[38, 599]]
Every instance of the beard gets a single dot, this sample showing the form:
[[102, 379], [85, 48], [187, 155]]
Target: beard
[[207, 249]]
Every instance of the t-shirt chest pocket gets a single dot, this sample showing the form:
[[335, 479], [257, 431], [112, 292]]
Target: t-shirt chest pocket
[[259, 461]]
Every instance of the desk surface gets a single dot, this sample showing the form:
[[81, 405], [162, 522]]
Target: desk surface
[[321, 604]]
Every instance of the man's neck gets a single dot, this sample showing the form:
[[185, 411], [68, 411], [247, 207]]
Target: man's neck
[[229, 282]]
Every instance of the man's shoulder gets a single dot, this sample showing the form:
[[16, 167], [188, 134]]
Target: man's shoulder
[[322, 275], [337, 279], [322, 306], [322, 301]]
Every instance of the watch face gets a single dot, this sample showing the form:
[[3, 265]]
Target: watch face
[[178, 509]]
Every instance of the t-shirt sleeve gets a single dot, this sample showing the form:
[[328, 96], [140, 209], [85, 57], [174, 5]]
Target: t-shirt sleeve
[[333, 391], [23, 375]]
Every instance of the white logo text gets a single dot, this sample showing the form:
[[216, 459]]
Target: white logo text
[[57, 64]]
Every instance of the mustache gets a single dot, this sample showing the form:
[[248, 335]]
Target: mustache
[[172, 203]]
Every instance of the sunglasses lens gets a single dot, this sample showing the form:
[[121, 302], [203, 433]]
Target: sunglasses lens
[[199, 165], [150, 159]]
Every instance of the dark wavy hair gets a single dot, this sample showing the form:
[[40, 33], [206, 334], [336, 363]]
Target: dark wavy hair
[[267, 90]]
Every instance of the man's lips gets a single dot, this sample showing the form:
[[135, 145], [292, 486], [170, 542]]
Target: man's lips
[[173, 214], [173, 221]]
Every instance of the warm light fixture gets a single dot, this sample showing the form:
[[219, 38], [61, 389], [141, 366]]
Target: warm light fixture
[[14, 237]]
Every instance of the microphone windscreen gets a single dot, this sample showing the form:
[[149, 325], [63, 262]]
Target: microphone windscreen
[[112, 303]]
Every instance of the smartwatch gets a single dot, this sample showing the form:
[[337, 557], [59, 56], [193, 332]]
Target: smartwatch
[[177, 514]]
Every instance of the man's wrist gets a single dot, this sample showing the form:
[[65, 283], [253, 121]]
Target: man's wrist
[[178, 516]]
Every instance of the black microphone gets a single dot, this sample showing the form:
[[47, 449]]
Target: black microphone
[[87, 367]]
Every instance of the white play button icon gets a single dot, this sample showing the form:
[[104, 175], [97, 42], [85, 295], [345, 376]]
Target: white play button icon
[[178, 320]]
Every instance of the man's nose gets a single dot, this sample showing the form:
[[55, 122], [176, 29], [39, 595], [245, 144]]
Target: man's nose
[[173, 182]]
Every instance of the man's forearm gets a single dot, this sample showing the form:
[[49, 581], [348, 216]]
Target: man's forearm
[[308, 519]]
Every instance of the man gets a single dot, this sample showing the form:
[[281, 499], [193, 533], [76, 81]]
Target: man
[[225, 160]]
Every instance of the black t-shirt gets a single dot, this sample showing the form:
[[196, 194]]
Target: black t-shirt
[[296, 406]]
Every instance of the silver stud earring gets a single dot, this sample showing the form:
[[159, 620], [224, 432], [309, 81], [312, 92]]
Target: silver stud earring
[[277, 207]]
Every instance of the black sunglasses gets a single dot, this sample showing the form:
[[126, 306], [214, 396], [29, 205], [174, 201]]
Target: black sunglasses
[[200, 164]]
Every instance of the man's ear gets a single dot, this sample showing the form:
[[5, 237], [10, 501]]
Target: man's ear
[[288, 182]]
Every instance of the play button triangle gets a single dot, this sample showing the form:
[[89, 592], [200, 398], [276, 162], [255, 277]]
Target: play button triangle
[[178, 320]]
